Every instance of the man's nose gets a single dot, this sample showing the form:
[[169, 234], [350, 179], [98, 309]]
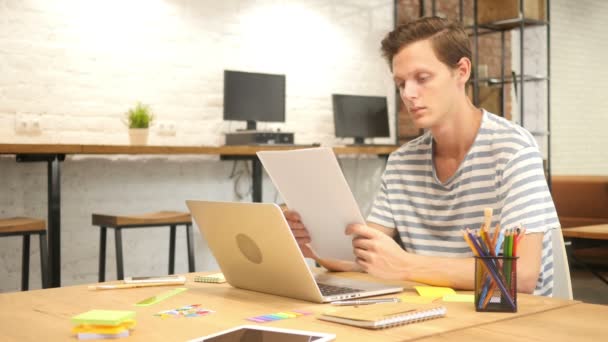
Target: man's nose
[[410, 91]]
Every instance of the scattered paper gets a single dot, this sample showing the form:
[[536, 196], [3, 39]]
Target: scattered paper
[[193, 310], [459, 298], [434, 291]]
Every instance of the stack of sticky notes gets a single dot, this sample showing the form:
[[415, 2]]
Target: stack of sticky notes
[[193, 310], [217, 278], [102, 324], [279, 316]]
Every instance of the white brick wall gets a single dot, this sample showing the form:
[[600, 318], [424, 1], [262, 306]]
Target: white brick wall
[[579, 117], [81, 65], [78, 66]]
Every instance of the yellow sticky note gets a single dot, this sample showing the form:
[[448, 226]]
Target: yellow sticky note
[[461, 298], [416, 299], [434, 291]]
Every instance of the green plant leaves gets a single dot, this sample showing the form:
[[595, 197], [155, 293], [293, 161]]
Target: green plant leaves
[[140, 116]]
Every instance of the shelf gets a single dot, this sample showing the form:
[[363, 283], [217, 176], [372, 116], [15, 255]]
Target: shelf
[[509, 24], [490, 81], [540, 133]]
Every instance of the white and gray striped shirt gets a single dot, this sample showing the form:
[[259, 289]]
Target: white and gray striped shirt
[[502, 170]]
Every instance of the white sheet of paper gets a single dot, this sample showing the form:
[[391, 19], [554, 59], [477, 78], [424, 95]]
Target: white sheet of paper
[[311, 182]]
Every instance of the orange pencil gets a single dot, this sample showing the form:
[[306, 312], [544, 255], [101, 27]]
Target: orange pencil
[[495, 237], [468, 241]]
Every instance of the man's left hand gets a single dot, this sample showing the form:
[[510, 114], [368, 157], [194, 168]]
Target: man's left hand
[[377, 253]]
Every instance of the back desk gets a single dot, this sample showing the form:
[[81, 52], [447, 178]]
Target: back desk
[[54, 154], [45, 315]]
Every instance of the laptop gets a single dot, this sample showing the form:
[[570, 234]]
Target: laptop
[[255, 249]]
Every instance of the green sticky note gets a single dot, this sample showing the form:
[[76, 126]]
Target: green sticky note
[[103, 317], [461, 298], [434, 291], [160, 297]]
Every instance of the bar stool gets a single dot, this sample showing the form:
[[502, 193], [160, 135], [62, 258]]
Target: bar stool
[[25, 227], [156, 219]]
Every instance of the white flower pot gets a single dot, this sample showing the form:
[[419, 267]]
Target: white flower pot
[[138, 136]]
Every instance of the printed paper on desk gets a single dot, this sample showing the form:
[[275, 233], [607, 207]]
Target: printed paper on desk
[[311, 182]]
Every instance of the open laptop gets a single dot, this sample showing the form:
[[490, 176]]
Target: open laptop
[[256, 250]]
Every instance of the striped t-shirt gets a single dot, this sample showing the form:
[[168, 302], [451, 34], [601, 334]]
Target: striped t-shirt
[[503, 170]]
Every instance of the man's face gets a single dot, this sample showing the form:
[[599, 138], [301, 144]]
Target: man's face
[[427, 86]]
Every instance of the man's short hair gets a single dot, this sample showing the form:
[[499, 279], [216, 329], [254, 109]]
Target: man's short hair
[[449, 40]]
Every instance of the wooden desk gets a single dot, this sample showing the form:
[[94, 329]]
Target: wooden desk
[[598, 236], [581, 322], [54, 154], [595, 232], [45, 314]]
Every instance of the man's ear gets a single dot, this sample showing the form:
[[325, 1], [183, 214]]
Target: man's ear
[[463, 70]]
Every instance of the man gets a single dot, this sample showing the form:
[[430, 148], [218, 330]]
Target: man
[[440, 183]]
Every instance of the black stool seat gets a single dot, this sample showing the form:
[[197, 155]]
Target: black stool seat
[[155, 219], [24, 226]]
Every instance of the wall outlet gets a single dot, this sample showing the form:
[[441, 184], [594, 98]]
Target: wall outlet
[[27, 124], [166, 127]]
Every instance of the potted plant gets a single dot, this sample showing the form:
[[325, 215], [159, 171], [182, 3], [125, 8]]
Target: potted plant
[[139, 119]]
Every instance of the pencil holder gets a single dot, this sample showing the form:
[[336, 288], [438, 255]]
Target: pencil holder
[[495, 284]]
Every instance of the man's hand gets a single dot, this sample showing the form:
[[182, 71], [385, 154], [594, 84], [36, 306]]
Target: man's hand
[[299, 232], [302, 236], [377, 253]]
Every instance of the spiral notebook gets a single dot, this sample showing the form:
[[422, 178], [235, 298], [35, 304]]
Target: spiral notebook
[[384, 315]]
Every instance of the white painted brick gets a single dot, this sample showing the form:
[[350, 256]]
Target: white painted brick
[[578, 58]]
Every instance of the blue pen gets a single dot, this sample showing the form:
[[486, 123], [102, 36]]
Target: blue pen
[[499, 241], [484, 292]]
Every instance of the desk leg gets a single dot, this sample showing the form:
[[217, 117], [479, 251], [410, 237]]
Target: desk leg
[[256, 175], [586, 266], [54, 219]]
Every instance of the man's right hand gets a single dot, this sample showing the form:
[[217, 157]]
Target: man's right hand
[[303, 238], [299, 232]]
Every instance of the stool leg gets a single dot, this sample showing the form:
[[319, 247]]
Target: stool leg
[[25, 263], [119, 265], [172, 250], [190, 242], [44, 268], [102, 254]]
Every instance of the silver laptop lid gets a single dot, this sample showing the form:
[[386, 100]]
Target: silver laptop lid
[[254, 248]]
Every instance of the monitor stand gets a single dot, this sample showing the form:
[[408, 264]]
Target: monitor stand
[[359, 141], [251, 125]]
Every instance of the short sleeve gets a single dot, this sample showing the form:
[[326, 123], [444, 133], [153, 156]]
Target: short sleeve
[[526, 197], [381, 212]]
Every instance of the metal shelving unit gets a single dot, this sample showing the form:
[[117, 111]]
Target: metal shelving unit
[[519, 80]]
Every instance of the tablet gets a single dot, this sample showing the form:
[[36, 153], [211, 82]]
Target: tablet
[[254, 333]]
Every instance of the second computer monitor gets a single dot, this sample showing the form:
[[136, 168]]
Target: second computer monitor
[[360, 117]]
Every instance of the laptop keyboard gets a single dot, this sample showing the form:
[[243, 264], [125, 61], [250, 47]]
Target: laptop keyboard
[[330, 290]]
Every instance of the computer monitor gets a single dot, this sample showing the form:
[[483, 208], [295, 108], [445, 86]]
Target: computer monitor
[[254, 97], [360, 117]]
